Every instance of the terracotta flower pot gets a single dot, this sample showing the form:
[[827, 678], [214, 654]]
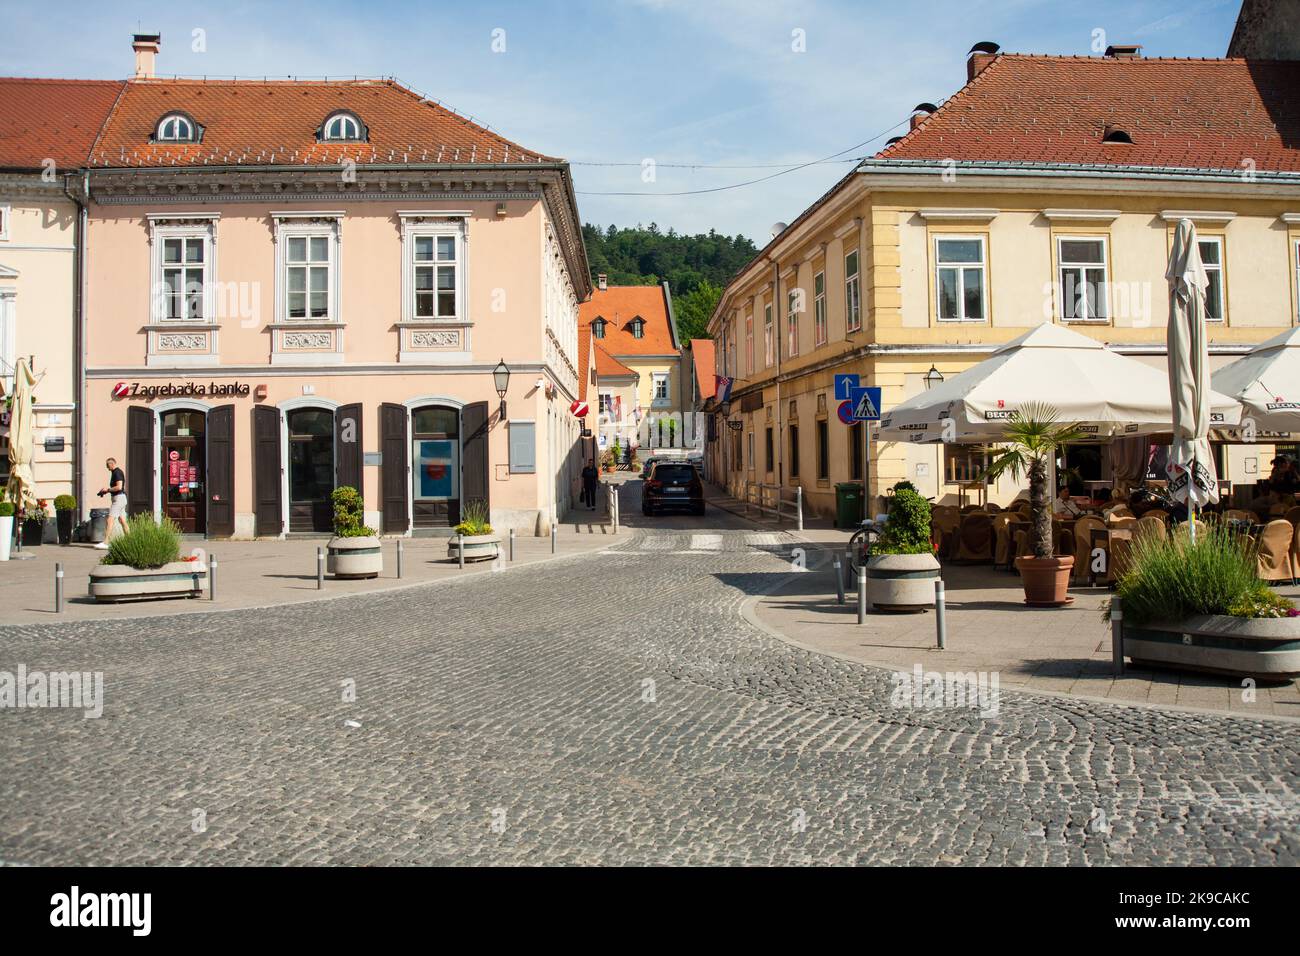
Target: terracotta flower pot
[[1046, 580]]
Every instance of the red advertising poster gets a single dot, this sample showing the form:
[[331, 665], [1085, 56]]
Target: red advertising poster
[[173, 472], [192, 474]]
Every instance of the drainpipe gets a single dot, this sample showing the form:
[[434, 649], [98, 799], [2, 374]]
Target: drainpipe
[[776, 330], [79, 337]]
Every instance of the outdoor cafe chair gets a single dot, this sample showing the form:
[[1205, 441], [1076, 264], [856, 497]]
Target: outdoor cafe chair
[[1293, 515], [974, 538], [1004, 525], [1239, 514], [944, 521], [1274, 553], [1158, 513], [1083, 545]]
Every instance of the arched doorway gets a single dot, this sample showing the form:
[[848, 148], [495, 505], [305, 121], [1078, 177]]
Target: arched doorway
[[310, 433], [436, 466], [183, 468]]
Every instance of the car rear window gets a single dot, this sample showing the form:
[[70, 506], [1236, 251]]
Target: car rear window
[[674, 472]]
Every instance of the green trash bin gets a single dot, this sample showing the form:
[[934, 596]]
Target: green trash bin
[[848, 504]]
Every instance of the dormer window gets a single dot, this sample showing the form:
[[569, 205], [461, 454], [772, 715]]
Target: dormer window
[[1113, 134], [343, 127], [177, 128], [638, 328], [598, 327]]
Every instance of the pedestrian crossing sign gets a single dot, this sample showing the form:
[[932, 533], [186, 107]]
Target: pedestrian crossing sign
[[866, 403]]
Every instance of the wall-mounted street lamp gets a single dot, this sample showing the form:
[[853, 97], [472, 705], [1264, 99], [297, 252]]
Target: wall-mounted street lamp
[[932, 378], [501, 378]]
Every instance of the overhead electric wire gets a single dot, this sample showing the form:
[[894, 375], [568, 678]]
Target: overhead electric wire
[[750, 182]]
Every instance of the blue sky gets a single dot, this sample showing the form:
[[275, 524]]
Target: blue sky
[[712, 82]]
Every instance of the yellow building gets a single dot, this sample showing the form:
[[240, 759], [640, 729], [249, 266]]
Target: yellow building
[[996, 212]]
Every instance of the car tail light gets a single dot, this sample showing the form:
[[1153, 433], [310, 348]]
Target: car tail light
[[653, 485]]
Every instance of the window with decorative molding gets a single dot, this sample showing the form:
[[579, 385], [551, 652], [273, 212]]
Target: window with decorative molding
[[819, 309], [769, 338], [749, 343], [1211, 248], [852, 292], [1083, 278], [307, 276], [435, 266], [959, 278], [184, 270], [792, 322], [177, 128], [4, 223]]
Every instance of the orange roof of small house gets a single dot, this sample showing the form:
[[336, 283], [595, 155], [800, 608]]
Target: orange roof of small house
[[702, 355], [585, 367], [619, 305], [609, 367]]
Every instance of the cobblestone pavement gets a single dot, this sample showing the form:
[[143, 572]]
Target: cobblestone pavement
[[602, 709]]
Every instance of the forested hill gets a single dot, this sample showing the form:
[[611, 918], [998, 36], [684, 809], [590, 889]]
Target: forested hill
[[696, 267]]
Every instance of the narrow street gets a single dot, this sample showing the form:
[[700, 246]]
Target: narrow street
[[607, 708]]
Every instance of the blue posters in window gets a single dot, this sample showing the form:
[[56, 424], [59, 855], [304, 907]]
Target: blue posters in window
[[436, 468]]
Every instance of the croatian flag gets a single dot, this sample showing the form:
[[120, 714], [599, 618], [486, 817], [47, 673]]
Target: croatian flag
[[722, 387]]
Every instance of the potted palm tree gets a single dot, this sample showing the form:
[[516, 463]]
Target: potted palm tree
[[1032, 437]]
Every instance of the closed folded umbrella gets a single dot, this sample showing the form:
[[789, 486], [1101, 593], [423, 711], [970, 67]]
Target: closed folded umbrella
[[1266, 381], [1190, 467], [21, 431]]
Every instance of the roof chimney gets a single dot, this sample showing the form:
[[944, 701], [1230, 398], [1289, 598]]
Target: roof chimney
[[602, 281], [1124, 51], [980, 56], [146, 47], [919, 112]]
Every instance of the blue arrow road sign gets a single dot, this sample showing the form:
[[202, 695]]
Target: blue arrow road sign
[[842, 385], [866, 403]]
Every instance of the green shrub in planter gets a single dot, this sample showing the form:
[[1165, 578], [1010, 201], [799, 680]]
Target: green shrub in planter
[[908, 528], [350, 514], [146, 543], [65, 503], [474, 519], [1170, 579], [6, 509]]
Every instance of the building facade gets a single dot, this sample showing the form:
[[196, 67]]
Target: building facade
[[997, 212], [294, 286]]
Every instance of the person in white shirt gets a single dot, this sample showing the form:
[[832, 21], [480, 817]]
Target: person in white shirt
[[1062, 506]]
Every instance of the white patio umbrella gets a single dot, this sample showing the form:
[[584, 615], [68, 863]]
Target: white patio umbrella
[[1266, 381], [21, 431], [1190, 467], [1108, 394]]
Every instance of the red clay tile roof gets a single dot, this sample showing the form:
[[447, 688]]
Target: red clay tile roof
[[1195, 114], [702, 355], [52, 119], [609, 367], [584, 361], [275, 122], [618, 306]]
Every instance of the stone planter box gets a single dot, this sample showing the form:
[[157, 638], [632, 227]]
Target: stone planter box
[[478, 547], [354, 558], [117, 582], [901, 582], [1262, 648]]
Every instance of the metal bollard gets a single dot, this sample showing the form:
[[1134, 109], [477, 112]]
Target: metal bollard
[[460, 550], [1116, 637], [554, 526], [798, 508], [940, 610], [320, 569], [862, 595], [400, 551], [212, 578], [512, 544], [839, 579], [58, 587]]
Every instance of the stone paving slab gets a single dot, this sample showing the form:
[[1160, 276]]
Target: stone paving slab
[[1061, 650], [269, 573]]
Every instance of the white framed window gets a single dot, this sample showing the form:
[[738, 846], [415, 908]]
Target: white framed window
[[769, 337], [819, 309], [344, 127], [605, 403], [749, 343], [598, 328], [1083, 278], [792, 321], [852, 292], [175, 128], [433, 277], [183, 254], [660, 386], [5, 213], [638, 328], [307, 267], [1211, 249], [959, 279]]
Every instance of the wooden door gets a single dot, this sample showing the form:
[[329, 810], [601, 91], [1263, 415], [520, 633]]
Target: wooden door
[[348, 448], [394, 467], [221, 471], [267, 471], [141, 476]]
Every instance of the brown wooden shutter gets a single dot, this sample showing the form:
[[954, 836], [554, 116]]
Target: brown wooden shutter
[[221, 471], [348, 454], [474, 448], [395, 473], [267, 471], [141, 467]]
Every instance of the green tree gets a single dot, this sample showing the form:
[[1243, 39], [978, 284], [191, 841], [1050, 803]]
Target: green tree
[[694, 308]]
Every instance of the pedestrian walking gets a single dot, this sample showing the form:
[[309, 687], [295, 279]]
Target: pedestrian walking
[[116, 491], [590, 479]]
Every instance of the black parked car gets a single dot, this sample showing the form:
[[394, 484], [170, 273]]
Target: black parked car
[[673, 486]]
